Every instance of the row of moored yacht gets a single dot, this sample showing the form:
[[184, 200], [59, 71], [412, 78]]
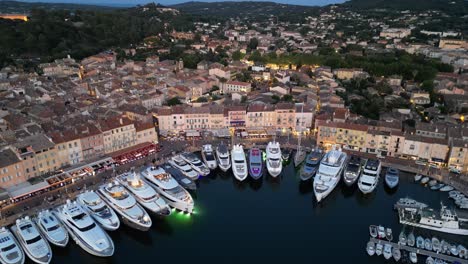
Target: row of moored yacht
[[129, 198]]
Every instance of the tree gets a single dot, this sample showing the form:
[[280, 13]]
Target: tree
[[243, 99], [202, 99], [253, 43], [275, 98], [287, 98], [304, 30], [173, 101], [237, 55]]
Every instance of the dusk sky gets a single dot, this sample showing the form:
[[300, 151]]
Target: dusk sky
[[169, 2]]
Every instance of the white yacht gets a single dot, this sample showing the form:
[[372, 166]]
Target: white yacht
[[144, 194], [124, 204], [239, 163], [329, 173], [370, 176], [84, 231], [208, 156], [195, 163], [222, 156], [34, 244], [52, 229], [176, 196], [10, 249], [273, 158], [180, 164], [99, 210]]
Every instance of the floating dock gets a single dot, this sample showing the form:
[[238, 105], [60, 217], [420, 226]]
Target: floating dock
[[423, 252]]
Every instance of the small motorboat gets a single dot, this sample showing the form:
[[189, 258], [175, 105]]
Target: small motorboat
[[396, 253], [417, 177], [433, 183], [413, 257], [446, 188], [420, 242], [436, 246], [411, 240], [370, 248], [392, 177], [445, 247], [439, 261], [437, 187], [378, 249], [373, 231], [52, 228], [381, 232], [428, 244], [429, 260], [285, 154], [387, 252], [389, 234], [462, 252], [454, 250], [402, 238], [425, 180], [453, 194]]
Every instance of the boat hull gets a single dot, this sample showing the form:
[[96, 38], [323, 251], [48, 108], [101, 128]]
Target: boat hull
[[462, 232], [350, 181], [134, 225], [41, 260], [391, 183]]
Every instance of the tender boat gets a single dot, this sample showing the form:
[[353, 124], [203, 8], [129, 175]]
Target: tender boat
[[396, 253], [408, 203], [381, 232], [92, 204], [222, 156], [255, 163], [413, 257], [176, 196], [462, 252], [429, 260], [420, 242], [428, 244], [183, 180], [180, 164], [370, 176], [389, 234], [10, 249], [84, 231], [52, 229], [392, 177], [402, 238], [239, 163], [373, 231], [34, 244], [370, 248], [352, 170], [425, 180], [208, 156], [387, 252], [144, 194], [124, 204], [329, 173], [445, 247], [437, 187], [417, 177], [411, 240], [273, 158], [195, 163], [454, 249], [311, 165], [379, 249], [432, 183], [446, 188], [436, 245], [285, 154]]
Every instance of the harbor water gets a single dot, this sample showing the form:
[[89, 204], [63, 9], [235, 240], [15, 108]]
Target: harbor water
[[266, 221]]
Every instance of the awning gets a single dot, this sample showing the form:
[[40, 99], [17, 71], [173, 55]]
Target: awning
[[29, 189], [244, 134], [192, 134]]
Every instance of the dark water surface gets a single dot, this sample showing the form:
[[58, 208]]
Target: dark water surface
[[264, 221]]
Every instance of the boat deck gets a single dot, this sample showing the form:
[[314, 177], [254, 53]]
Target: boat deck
[[423, 252]]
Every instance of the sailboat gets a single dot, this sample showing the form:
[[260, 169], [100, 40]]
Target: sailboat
[[300, 154]]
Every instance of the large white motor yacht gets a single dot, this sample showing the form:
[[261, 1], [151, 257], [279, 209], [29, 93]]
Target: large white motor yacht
[[370, 176], [84, 231], [222, 156], [195, 163], [124, 204], [329, 173], [10, 249], [176, 196], [180, 164], [52, 229], [99, 210], [34, 244], [273, 158], [208, 156], [145, 194], [239, 163]]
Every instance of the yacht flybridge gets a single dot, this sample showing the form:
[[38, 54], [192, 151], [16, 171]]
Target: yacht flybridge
[[195, 163], [125, 205], [34, 244], [144, 194], [10, 249], [208, 156], [329, 173], [370, 176], [273, 161], [99, 210], [180, 164], [239, 163], [222, 156], [84, 231], [52, 229], [169, 188]]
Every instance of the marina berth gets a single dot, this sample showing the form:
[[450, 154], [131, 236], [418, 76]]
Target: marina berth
[[222, 157], [273, 159], [176, 196], [195, 163], [84, 231], [183, 180], [311, 165], [255, 163], [104, 215], [329, 173], [52, 228], [239, 163], [34, 244], [180, 164], [352, 170], [144, 194], [10, 249], [370, 176], [124, 204], [208, 156]]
